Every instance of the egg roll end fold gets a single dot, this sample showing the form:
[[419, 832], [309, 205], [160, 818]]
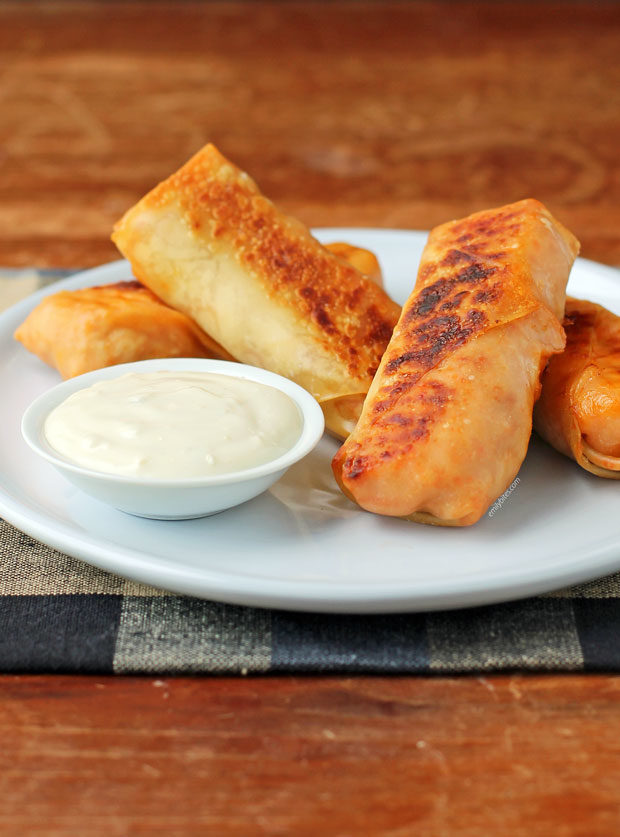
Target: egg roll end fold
[[578, 412]]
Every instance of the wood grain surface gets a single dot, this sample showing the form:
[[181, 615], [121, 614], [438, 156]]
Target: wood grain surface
[[518, 756], [374, 114]]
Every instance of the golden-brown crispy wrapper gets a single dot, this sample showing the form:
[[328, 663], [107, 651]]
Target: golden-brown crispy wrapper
[[209, 244], [363, 260], [446, 423], [78, 331], [579, 407]]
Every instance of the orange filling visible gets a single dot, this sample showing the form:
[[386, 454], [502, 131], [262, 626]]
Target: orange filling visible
[[597, 405]]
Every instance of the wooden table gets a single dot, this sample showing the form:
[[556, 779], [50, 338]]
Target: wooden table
[[375, 114]]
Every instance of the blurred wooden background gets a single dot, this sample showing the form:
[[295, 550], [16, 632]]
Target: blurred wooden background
[[372, 114]]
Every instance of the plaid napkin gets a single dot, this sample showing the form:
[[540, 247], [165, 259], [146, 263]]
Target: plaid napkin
[[59, 614]]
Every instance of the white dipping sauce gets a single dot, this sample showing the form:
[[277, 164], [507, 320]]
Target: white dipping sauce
[[174, 425]]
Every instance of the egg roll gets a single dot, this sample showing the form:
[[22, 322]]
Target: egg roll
[[448, 417], [209, 244], [78, 331], [578, 412], [361, 258]]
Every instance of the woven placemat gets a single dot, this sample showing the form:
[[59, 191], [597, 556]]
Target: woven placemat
[[60, 614]]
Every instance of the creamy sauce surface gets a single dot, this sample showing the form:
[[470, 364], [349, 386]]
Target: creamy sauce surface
[[174, 425]]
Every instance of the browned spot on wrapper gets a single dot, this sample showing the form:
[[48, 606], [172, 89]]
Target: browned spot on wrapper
[[433, 338], [405, 414]]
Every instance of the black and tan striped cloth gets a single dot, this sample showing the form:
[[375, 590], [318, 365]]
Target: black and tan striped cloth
[[58, 614]]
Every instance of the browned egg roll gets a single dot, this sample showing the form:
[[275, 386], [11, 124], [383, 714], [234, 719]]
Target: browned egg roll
[[364, 260], [209, 244], [446, 423], [579, 407], [78, 331]]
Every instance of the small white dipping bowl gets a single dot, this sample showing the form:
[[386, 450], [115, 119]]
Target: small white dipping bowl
[[180, 499]]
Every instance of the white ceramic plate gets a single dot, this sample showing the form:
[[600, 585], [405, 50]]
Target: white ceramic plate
[[302, 545]]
